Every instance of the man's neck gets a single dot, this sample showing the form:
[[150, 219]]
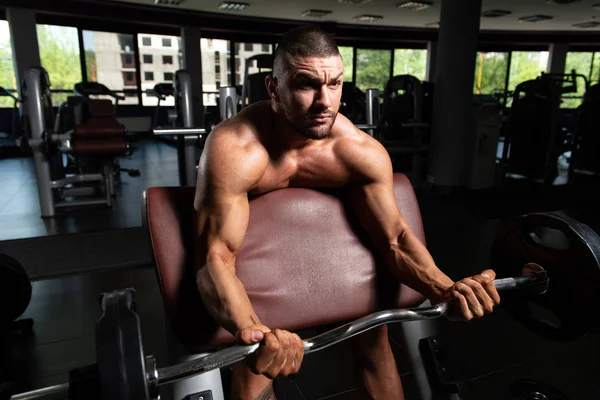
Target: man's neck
[[288, 136]]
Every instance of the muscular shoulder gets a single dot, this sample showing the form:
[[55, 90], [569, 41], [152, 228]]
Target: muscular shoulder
[[364, 156], [233, 158]]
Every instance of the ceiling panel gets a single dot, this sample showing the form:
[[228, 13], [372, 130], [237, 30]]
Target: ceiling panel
[[565, 15]]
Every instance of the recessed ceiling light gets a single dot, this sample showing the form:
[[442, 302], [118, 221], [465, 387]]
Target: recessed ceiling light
[[433, 24], [562, 1], [584, 25], [228, 6], [415, 5], [495, 13], [316, 13], [535, 18], [169, 2], [367, 18], [354, 1]]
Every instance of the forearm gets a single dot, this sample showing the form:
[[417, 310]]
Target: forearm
[[224, 296], [413, 265]]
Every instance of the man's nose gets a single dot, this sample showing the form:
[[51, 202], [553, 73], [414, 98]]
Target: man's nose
[[323, 97]]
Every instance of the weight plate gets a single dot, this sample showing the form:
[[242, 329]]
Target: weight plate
[[570, 252], [15, 289]]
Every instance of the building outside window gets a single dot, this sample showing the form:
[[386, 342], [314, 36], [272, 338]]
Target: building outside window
[[168, 59], [109, 59]]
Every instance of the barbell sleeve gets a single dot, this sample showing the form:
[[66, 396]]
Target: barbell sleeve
[[234, 354]]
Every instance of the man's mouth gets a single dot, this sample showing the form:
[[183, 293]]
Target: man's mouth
[[320, 117]]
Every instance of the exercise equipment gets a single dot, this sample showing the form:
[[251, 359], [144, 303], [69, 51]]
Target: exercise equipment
[[585, 160], [534, 138], [228, 102], [353, 103], [15, 290], [95, 144], [253, 88], [404, 131], [570, 251], [124, 372], [9, 145], [487, 119], [162, 91], [187, 135]]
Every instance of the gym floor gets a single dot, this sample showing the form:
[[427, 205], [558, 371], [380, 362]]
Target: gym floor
[[486, 354]]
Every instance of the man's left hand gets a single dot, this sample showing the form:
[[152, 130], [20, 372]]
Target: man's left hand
[[474, 297]]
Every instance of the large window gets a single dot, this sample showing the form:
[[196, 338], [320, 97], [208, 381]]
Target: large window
[[372, 68], [167, 54], [7, 73], [410, 62], [490, 73], [526, 65], [59, 54], [109, 60], [583, 63], [347, 57], [215, 68], [249, 50]]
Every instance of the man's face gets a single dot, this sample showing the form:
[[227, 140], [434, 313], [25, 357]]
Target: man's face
[[310, 91]]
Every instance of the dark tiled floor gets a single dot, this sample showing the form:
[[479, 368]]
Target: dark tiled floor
[[20, 209], [487, 354]]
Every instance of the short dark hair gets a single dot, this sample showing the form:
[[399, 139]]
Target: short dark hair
[[304, 41]]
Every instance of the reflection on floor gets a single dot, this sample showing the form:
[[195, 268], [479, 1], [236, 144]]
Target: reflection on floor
[[487, 354], [20, 209]]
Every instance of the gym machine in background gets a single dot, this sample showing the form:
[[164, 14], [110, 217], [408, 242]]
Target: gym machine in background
[[585, 154], [98, 141], [188, 136], [162, 91], [534, 135], [404, 127], [8, 139]]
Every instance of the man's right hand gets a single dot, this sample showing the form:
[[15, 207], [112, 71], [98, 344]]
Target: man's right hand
[[280, 353]]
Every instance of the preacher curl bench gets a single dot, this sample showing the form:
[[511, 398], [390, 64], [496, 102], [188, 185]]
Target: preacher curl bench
[[305, 262]]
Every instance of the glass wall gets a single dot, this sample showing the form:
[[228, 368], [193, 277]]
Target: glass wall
[[59, 54], [7, 73], [410, 62], [160, 57], [526, 65], [347, 57], [110, 60], [244, 51], [372, 68], [595, 75], [586, 64], [216, 68], [490, 72]]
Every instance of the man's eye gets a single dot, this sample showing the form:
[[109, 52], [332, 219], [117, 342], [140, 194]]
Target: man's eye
[[336, 84]]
